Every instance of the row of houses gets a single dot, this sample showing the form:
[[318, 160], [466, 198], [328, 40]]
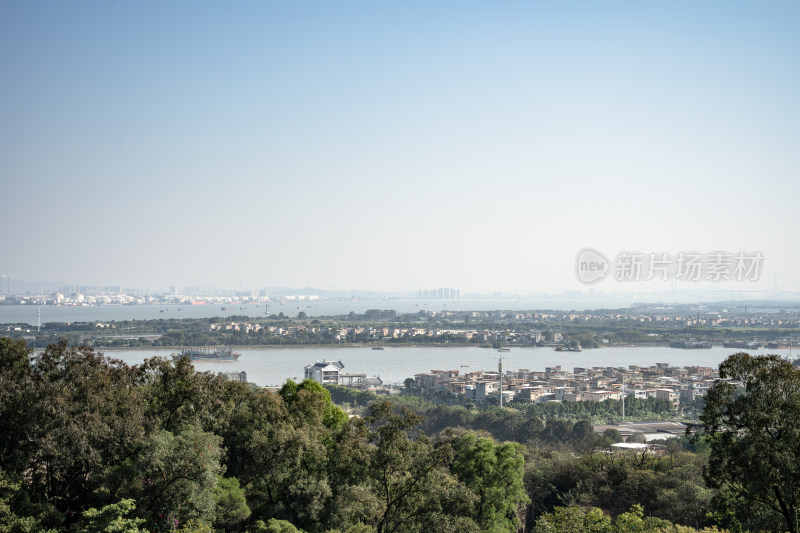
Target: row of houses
[[596, 384], [243, 327], [689, 319], [388, 333]]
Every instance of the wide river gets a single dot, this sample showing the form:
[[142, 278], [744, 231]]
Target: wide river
[[273, 366]]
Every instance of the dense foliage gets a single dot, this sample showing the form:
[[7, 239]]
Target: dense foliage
[[751, 425], [549, 422], [88, 443]]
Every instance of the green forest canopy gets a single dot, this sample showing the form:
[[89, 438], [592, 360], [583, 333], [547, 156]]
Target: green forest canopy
[[88, 443]]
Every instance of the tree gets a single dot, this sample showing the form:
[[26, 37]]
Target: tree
[[581, 430], [613, 435], [406, 485], [274, 526], [177, 474], [15, 404], [14, 357], [67, 421], [750, 421], [113, 519], [573, 519], [231, 509], [10, 521], [637, 438], [556, 430], [287, 433], [316, 399], [195, 526], [494, 472], [179, 396], [355, 528]]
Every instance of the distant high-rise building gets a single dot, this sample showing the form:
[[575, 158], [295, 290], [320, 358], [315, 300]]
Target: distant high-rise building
[[442, 293]]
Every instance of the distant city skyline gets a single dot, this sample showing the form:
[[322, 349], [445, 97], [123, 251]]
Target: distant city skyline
[[684, 293], [394, 146]]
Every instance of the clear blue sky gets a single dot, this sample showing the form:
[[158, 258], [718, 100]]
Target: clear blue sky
[[392, 145]]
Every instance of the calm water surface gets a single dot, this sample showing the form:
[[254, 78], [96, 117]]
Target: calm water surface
[[274, 366]]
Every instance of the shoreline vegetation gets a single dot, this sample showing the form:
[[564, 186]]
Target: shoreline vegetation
[[639, 326], [368, 345]]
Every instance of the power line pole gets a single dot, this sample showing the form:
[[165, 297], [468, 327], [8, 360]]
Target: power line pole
[[623, 398], [500, 369]]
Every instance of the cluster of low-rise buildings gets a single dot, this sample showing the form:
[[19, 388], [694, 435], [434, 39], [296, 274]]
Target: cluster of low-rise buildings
[[387, 333], [596, 384], [243, 327], [707, 318], [121, 298], [331, 373], [676, 385], [78, 298]]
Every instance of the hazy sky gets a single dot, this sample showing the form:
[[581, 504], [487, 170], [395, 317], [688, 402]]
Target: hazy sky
[[393, 145]]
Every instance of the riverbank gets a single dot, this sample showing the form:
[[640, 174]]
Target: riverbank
[[450, 345], [363, 345], [273, 366]]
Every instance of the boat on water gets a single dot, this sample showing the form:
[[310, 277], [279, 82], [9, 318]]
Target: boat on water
[[207, 354], [504, 349], [377, 347], [749, 345], [576, 348], [691, 344], [784, 344]]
